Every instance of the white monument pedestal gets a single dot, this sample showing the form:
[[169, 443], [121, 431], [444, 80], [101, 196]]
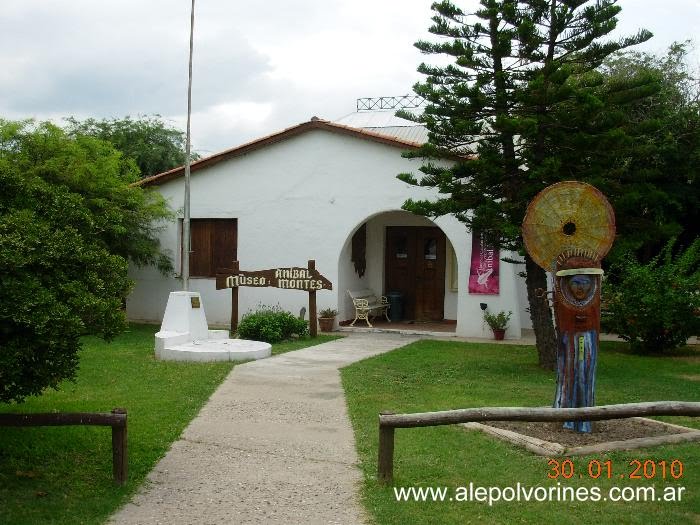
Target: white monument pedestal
[[185, 336]]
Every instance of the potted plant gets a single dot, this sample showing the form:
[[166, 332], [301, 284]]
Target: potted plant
[[498, 323], [326, 319]]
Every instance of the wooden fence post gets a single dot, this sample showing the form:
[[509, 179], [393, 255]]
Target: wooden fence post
[[385, 472], [117, 419], [120, 464], [234, 300], [388, 421], [313, 322]]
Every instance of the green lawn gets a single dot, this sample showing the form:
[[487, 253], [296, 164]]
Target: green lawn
[[64, 474], [442, 375]]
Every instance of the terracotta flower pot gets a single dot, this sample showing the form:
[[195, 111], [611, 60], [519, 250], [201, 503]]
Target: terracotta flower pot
[[499, 334], [326, 323]]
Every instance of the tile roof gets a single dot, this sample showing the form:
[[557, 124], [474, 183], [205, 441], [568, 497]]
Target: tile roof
[[314, 124]]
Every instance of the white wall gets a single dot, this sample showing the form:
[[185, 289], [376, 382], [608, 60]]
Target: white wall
[[523, 305], [302, 199]]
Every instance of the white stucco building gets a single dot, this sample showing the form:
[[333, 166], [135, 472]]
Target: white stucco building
[[325, 191]]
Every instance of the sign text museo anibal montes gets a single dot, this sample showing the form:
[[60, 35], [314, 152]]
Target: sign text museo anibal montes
[[288, 278]]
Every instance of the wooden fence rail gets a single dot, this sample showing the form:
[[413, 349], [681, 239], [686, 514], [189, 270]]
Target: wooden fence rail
[[116, 419], [388, 421]]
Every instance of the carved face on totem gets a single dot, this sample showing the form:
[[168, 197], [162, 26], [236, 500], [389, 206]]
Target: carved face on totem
[[580, 286], [578, 289]]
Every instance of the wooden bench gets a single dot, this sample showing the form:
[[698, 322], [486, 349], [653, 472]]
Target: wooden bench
[[367, 303]]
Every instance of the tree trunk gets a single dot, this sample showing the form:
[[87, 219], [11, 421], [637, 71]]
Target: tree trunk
[[541, 315]]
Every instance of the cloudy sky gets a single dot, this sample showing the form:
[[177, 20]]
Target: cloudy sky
[[258, 66]]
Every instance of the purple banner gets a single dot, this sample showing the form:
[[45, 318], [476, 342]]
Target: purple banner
[[483, 273]]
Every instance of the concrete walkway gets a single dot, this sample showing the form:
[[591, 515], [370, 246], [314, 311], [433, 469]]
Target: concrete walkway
[[272, 445]]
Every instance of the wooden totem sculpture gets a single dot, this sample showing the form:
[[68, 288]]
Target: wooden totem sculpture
[[568, 229]]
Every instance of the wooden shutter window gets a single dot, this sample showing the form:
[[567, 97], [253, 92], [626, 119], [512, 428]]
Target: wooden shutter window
[[200, 255], [214, 244], [224, 244]]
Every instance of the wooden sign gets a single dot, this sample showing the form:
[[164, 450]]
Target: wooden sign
[[304, 279], [288, 278]]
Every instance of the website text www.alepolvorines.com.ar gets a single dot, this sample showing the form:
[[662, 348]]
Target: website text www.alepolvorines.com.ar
[[491, 495]]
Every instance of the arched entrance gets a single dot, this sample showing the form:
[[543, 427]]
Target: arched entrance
[[397, 251]]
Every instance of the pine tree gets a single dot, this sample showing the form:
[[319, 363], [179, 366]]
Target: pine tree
[[501, 107]]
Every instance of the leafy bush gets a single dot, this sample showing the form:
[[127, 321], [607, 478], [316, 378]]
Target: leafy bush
[[69, 224], [271, 324], [655, 306], [327, 313], [497, 321]]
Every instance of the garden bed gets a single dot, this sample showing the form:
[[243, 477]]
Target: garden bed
[[603, 431]]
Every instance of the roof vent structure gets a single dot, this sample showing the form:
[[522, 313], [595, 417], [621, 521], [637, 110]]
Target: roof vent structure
[[400, 102]]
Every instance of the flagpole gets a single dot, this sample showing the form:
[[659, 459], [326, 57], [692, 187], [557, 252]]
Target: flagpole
[[186, 242]]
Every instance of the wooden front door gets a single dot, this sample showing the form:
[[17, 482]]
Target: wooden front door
[[415, 266]]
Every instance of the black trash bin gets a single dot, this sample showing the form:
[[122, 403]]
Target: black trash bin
[[395, 305]]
